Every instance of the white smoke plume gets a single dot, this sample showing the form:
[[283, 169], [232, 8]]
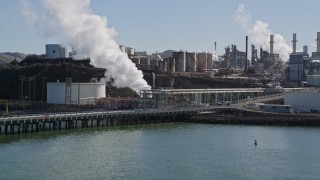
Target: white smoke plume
[[243, 16], [90, 36], [28, 12], [259, 33]]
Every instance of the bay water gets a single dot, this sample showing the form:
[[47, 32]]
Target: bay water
[[164, 151]]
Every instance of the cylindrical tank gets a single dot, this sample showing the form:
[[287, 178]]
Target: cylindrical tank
[[130, 51], [171, 64], [191, 62], [202, 61], [209, 61], [161, 65], [122, 48], [180, 61], [165, 66]]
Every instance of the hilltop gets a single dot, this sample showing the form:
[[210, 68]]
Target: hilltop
[[49, 70], [8, 57]]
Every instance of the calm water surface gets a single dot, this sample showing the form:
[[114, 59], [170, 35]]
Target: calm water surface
[[164, 151]]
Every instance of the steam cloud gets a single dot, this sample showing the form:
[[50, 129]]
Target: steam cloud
[[259, 33], [89, 35]]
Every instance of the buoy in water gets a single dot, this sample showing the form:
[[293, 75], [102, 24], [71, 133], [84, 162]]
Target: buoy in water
[[255, 142]]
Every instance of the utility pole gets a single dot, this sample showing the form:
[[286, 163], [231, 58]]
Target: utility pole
[[215, 48], [29, 90], [43, 87], [246, 60], [21, 95]]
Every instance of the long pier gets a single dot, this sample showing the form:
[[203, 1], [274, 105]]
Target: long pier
[[72, 120], [198, 112], [213, 114]]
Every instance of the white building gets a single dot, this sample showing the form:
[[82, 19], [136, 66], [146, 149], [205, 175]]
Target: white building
[[276, 108], [55, 51], [304, 101], [79, 93]]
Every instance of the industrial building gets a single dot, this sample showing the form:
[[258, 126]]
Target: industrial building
[[130, 51], [276, 108], [234, 58], [269, 62], [316, 55], [192, 62], [55, 51], [305, 101], [74, 93], [303, 68], [174, 61], [298, 63]]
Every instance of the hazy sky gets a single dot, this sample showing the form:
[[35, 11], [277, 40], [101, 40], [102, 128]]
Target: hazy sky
[[150, 25]]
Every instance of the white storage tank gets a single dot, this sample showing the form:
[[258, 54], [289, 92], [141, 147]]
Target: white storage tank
[[81, 93], [129, 50], [122, 48]]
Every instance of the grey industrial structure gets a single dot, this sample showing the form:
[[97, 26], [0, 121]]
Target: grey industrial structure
[[176, 61], [234, 58], [301, 67]]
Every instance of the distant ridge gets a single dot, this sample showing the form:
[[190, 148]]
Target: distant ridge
[[167, 53], [8, 57]]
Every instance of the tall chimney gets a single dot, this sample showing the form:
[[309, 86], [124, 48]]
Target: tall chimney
[[246, 63], [294, 43], [318, 41], [305, 49], [271, 43]]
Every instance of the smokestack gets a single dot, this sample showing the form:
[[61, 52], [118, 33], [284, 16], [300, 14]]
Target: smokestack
[[294, 43], [271, 43], [318, 41], [305, 49], [252, 53], [246, 63]]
